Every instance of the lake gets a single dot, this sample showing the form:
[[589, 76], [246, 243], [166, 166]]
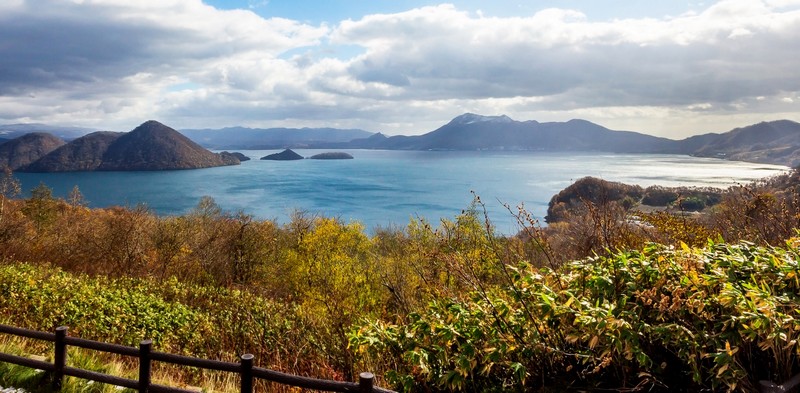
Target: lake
[[382, 188]]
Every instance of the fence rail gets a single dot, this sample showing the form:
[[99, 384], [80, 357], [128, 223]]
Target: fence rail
[[247, 372]]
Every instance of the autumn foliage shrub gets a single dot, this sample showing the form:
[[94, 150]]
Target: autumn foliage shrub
[[758, 213], [607, 297]]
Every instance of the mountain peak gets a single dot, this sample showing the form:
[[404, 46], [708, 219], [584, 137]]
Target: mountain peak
[[152, 125], [470, 118], [155, 146]]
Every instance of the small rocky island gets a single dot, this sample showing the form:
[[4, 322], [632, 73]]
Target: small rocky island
[[332, 156], [239, 156], [286, 155]]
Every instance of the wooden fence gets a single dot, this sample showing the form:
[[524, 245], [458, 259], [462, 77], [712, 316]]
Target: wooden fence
[[146, 355]]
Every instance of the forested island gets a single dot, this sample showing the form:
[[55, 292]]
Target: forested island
[[151, 146], [333, 155], [625, 287]]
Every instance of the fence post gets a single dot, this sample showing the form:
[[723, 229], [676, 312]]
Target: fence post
[[365, 382], [144, 365], [60, 357], [247, 373]]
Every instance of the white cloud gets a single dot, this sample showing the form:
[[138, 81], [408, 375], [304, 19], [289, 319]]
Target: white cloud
[[575, 63], [81, 53], [740, 32], [783, 3], [115, 63]]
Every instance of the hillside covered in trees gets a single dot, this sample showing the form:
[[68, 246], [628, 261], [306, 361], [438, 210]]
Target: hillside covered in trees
[[150, 147], [594, 300]]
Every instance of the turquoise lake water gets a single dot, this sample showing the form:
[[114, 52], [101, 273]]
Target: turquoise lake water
[[383, 188]]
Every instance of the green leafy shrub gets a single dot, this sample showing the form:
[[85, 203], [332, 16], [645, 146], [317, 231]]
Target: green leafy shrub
[[691, 203], [719, 317], [122, 311], [181, 318], [659, 196]]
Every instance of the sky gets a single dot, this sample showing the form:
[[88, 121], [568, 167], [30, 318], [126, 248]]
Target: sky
[[664, 67]]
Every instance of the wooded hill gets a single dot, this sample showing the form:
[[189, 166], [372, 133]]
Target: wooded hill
[[151, 146]]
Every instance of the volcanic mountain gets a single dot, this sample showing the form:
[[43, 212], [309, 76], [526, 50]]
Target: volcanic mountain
[[153, 146], [476, 132], [150, 147]]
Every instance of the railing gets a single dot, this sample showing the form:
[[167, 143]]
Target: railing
[[146, 356]]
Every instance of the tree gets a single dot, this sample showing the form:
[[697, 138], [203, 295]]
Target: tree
[[75, 198], [42, 207], [122, 237], [9, 188], [12, 224], [207, 208], [333, 278], [250, 247]]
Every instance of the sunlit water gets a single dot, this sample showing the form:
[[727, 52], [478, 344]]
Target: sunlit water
[[383, 188]]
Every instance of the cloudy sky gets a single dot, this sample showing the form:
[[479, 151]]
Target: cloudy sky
[[666, 67]]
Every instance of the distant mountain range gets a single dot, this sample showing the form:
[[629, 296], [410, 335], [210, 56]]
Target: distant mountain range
[[776, 142], [11, 131], [151, 146], [475, 132], [272, 138]]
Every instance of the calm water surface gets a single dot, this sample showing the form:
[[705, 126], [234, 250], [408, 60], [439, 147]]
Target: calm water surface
[[382, 188]]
